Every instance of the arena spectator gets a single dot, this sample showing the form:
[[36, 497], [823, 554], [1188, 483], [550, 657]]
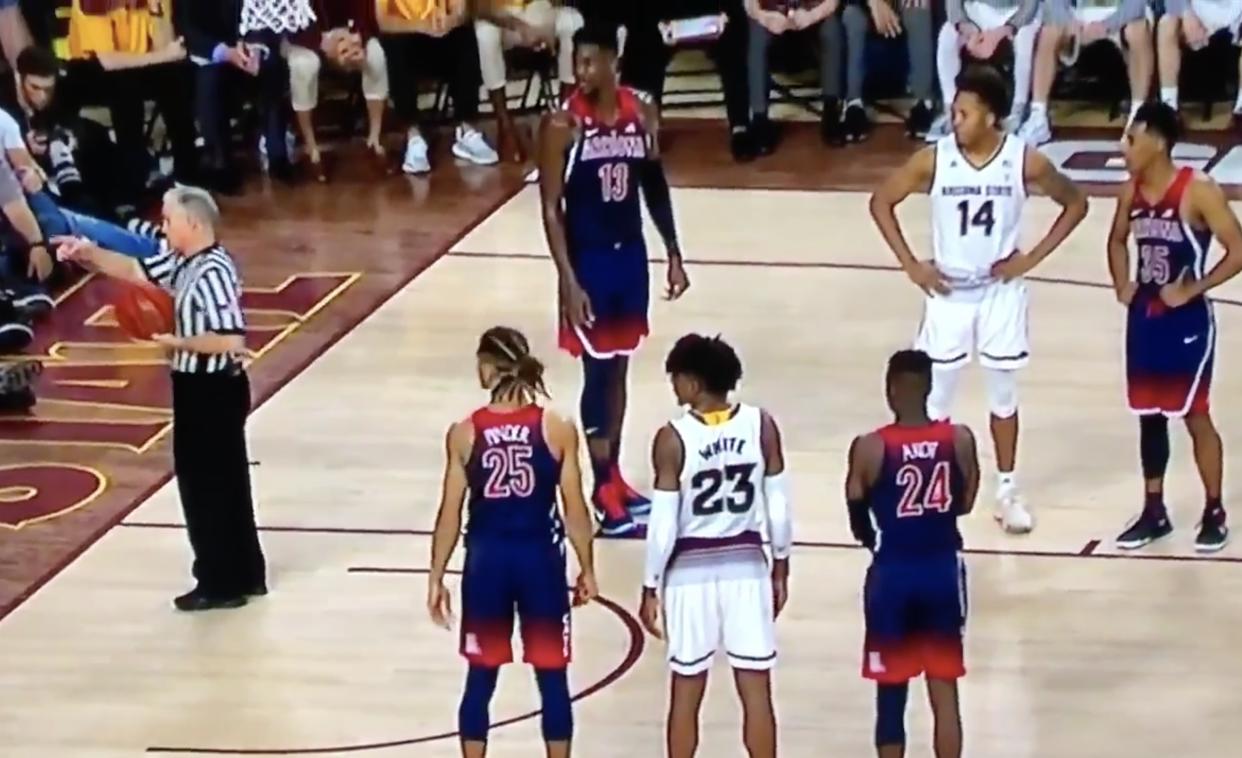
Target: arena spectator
[[123, 55], [979, 27], [76, 153], [1066, 29], [345, 36], [425, 36], [891, 18], [225, 63], [771, 19], [545, 24], [1194, 23], [648, 46]]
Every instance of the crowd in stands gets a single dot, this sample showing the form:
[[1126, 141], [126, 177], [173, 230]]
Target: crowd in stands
[[232, 82]]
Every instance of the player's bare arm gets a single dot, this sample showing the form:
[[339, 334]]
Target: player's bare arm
[[563, 437], [659, 201], [556, 133], [968, 461], [775, 494], [1119, 248], [1041, 174], [866, 452], [1207, 205], [667, 457], [457, 445], [913, 176]]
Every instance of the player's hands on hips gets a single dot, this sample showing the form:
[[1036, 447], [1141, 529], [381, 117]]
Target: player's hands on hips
[[576, 304], [439, 603], [780, 586], [1177, 293], [1013, 267], [1125, 291], [649, 613], [678, 281], [585, 589], [928, 278]]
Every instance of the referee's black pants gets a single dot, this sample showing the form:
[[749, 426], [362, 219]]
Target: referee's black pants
[[213, 479]]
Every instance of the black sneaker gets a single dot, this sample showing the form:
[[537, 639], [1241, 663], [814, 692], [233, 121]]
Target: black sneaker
[[831, 129], [16, 334], [1213, 533], [742, 145], [29, 300], [919, 121], [764, 135], [197, 600], [17, 402], [1144, 531], [857, 124]]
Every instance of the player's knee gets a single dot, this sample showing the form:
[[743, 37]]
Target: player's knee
[[890, 713], [944, 387], [1002, 392], [558, 715], [472, 714]]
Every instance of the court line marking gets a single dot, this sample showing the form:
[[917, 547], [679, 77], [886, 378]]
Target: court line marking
[[637, 644], [1088, 550], [747, 263], [295, 370]]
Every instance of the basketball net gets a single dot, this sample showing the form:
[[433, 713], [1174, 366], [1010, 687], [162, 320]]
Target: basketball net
[[280, 16]]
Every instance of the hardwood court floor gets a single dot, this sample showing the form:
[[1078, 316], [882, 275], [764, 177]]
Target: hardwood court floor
[[1073, 650]]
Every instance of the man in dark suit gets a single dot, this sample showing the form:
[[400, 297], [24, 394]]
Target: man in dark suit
[[222, 61]]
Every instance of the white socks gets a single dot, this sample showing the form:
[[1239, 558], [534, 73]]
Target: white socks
[[1006, 481], [1168, 96]]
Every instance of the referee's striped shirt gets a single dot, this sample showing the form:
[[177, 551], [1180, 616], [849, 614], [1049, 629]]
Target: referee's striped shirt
[[207, 297]]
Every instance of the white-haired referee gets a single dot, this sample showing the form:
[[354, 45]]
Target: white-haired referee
[[211, 393]]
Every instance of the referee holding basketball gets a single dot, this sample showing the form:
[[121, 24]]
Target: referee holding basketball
[[211, 393]]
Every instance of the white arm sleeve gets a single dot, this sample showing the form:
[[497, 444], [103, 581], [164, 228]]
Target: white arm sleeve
[[780, 525], [661, 536]]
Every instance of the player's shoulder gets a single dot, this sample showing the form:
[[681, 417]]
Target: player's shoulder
[[868, 445], [558, 427], [962, 434], [564, 120], [460, 434], [1204, 187]]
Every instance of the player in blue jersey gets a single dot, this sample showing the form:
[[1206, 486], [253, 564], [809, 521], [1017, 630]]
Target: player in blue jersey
[[1172, 213], [510, 457], [595, 154], [915, 478]]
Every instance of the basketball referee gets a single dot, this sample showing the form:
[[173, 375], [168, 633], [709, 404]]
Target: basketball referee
[[211, 393]]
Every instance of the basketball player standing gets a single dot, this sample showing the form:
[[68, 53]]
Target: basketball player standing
[[511, 456], [976, 296], [916, 477], [719, 475], [1173, 213], [594, 155]]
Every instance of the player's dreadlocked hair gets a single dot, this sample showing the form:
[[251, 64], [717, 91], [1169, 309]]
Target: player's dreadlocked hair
[[520, 372], [709, 359]]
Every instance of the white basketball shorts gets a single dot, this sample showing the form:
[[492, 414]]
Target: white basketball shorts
[[1217, 16], [990, 320], [704, 615]]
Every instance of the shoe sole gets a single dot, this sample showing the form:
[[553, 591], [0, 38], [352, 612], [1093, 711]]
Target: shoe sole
[[1000, 519], [15, 336], [415, 170]]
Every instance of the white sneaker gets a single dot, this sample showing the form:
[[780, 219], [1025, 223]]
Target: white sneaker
[[471, 146], [1036, 131], [416, 155], [940, 128], [1011, 512]]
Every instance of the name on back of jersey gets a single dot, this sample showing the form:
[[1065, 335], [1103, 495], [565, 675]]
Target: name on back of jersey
[[977, 190], [722, 445], [613, 146], [1166, 229], [497, 435], [919, 451]]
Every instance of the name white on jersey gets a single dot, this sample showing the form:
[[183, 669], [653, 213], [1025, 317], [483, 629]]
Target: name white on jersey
[[721, 486], [976, 212]]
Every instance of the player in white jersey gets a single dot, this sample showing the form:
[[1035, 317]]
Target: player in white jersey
[[976, 296], [719, 496]]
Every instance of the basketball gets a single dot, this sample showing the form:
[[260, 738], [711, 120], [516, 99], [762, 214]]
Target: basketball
[[143, 310]]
